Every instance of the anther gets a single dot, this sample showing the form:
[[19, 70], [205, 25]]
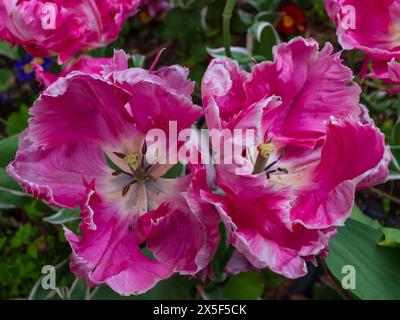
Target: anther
[[268, 173], [117, 172], [119, 155], [284, 170], [125, 190]]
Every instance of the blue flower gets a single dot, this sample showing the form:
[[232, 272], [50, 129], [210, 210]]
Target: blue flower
[[25, 69]]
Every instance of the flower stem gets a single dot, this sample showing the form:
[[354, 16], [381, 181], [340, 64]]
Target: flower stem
[[228, 255], [230, 4], [385, 195]]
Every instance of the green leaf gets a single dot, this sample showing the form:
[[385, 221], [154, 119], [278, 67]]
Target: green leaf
[[219, 256], [5, 77], [77, 290], [63, 216], [377, 268], [7, 51], [259, 27], [8, 184], [392, 237], [175, 288], [242, 55], [269, 16], [2, 242], [180, 22], [244, 286], [11, 194], [17, 121], [359, 216], [265, 38], [32, 250], [174, 172], [138, 60], [246, 17], [8, 149], [395, 137], [38, 293], [321, 291]]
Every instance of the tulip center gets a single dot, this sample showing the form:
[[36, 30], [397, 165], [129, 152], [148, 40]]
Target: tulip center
[[138, 170], [264, 152]]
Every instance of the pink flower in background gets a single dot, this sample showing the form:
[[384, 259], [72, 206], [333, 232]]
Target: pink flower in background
[[316, 145], [137, 227], [84, 64], [375, 31], [388, 72], [156, 7], [370, 26], [63, 27]]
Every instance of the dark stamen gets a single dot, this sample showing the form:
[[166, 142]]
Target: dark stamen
[[120, 155], [271, 165], [276, 161], [144, 147], [284, 170], [117, 172], [132, 170], [127, 187], [268, 173], [125, 190]]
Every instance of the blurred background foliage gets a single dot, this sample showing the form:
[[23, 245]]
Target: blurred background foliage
[[31, 233]]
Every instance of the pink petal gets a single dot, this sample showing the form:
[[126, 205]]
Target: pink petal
[[84, 64], [257, 221], [319, 89], [77, 25], [155, 106], [376, 27], [222, 85], [81, 108], [352, 152], [388, 72], [110, 254], [176, 78], [57, 174]]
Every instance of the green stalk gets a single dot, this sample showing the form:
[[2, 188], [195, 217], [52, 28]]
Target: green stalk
[[230, 4]]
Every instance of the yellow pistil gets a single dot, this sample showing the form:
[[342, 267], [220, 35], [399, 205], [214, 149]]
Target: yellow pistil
[[132, 160], [265, 149]]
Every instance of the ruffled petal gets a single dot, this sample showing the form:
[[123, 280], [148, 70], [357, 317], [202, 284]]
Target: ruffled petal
[[223, 85], [176, 78], [352, 152], [156, 101], [58, 175], [84, 64], [158, 108], [388, 72], [183, 230], [111, 253], [82, 107], [63, 27], [257, 222], [320, 87]]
